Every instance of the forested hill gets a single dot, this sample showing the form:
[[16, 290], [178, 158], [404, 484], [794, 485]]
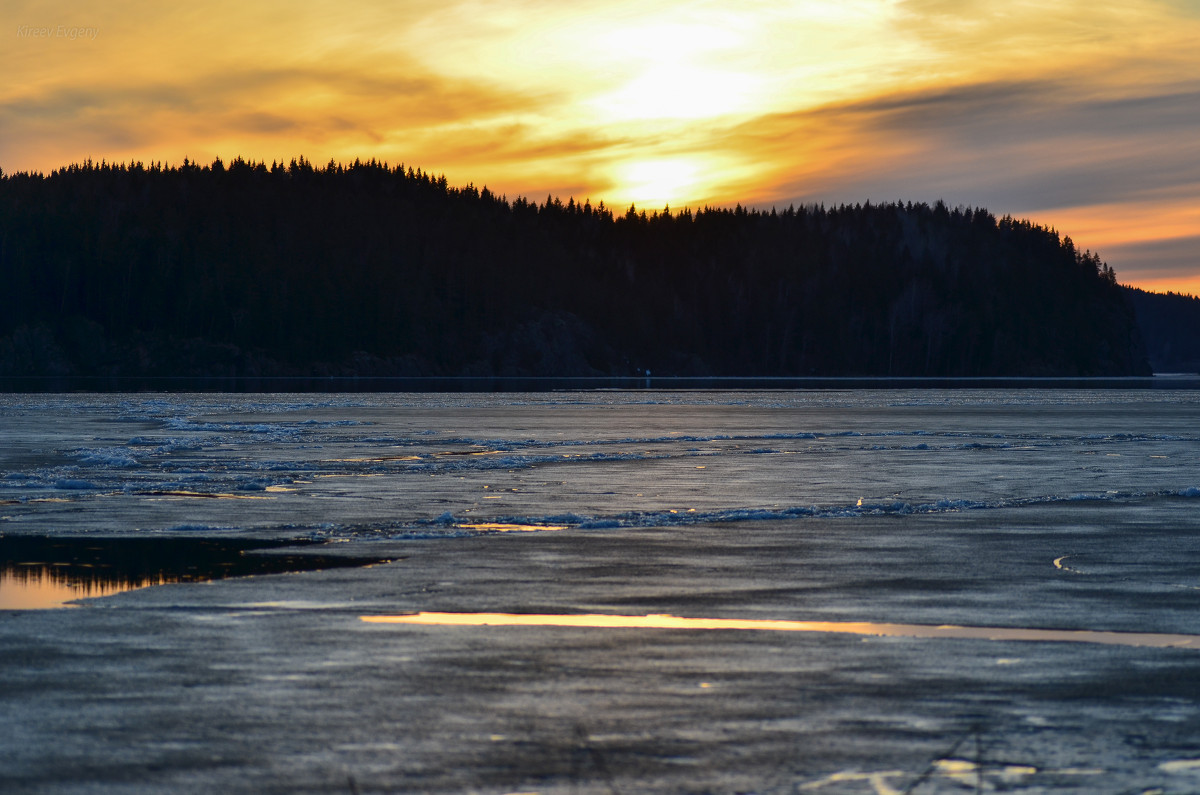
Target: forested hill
[[248, 269], [1170, 324]]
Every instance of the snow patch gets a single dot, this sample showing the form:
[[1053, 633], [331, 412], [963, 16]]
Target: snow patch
[[115, 457]]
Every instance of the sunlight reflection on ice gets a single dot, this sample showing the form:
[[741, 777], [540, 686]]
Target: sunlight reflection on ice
[[1181, 766], [203, 495], [1150, 639], [504, 527]]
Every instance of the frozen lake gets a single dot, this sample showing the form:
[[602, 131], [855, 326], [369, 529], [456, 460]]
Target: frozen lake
[[869, 591]]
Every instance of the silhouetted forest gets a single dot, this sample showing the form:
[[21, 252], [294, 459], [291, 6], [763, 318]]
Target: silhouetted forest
[[366, 269], [1170, 324]]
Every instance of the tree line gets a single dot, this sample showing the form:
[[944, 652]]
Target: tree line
[[371, 269], [1170, 324]]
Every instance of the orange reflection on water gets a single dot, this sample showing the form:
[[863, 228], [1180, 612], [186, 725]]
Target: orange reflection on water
[[1151, 639], [40, 587], [38, 572]]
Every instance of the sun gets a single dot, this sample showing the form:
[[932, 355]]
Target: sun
[[678, 92], [675, 72], [658, 182]]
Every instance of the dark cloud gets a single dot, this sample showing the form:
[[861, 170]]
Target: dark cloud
[[1022, 145], [264, 123], [1156, 259], [68, 104], [425, 97], [1190, 7], [525, 142]]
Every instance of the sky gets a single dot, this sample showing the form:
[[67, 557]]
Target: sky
[[1081, 115]]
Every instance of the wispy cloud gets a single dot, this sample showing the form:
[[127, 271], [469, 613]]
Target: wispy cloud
[[302, 108], [1167, 264], [1027, 146]]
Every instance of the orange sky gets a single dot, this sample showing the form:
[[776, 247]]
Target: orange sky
[[1082, 115]]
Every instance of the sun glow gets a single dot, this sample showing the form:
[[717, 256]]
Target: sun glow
[[657, 183], [677, 71], [672, 92]]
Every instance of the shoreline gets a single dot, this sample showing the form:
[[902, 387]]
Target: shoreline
[[361, 384]]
